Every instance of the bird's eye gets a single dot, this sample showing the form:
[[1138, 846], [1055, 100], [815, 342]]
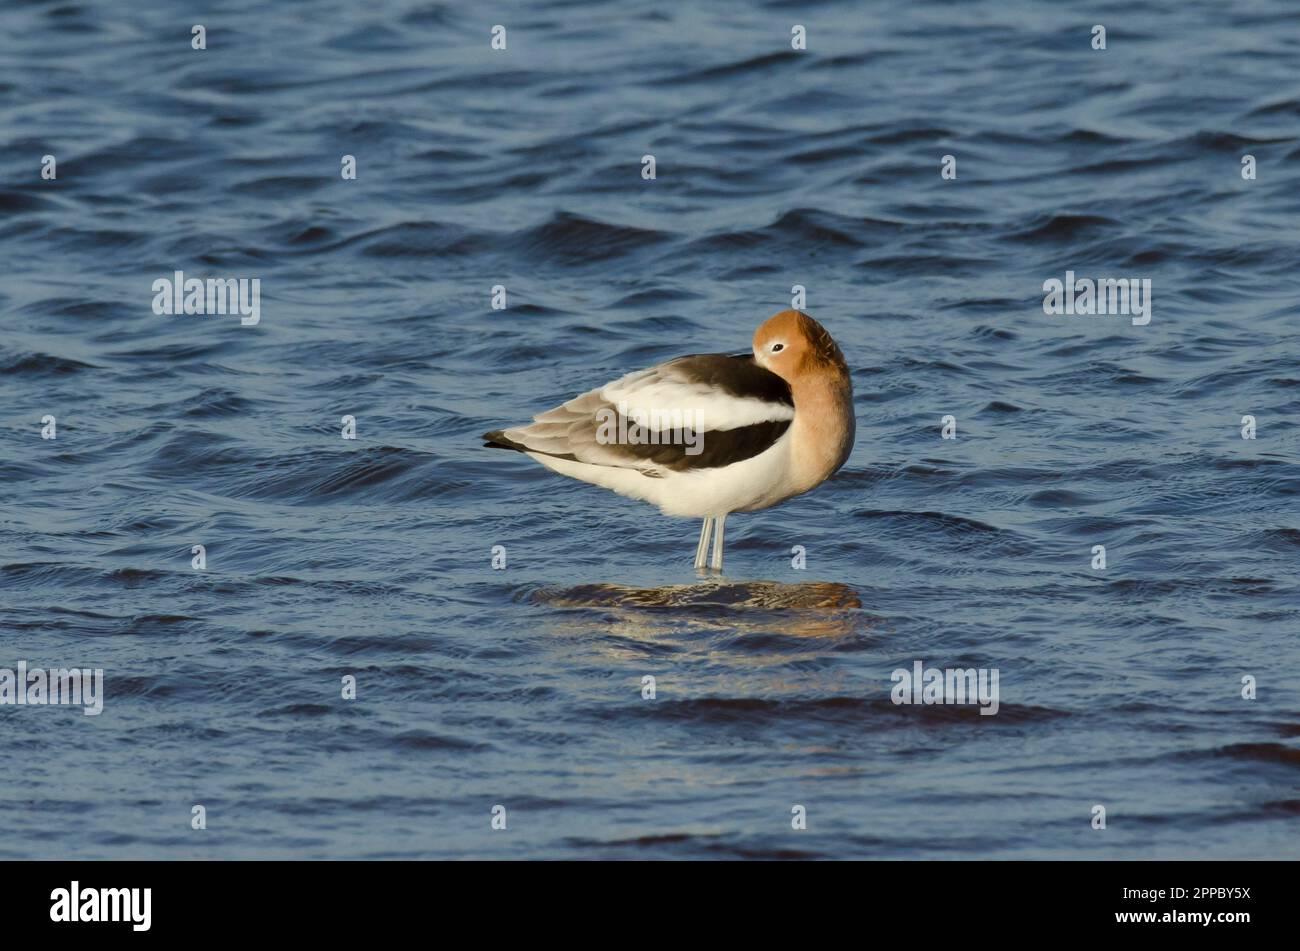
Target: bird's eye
[[778, 347]]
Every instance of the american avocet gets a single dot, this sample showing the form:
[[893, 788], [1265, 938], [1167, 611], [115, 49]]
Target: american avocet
[[707, 435]]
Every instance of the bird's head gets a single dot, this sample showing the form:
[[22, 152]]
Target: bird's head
[[791, 344]]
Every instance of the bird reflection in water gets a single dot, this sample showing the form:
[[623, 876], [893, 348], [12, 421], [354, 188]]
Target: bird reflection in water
[[814, 609]]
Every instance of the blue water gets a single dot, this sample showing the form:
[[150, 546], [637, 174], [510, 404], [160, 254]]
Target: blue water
[[522, 687]]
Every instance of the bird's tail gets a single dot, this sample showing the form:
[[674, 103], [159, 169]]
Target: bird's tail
[[497, 439]]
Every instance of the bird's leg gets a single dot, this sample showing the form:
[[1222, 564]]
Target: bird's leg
[[717, 544], [702, 549]]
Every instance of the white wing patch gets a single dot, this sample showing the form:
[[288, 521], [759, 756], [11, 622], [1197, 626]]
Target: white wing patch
[[662, 394]]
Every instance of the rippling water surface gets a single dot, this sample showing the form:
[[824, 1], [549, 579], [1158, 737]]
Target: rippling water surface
[[523, 687]]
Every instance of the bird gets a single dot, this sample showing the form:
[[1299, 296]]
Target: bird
[[706, 435]]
